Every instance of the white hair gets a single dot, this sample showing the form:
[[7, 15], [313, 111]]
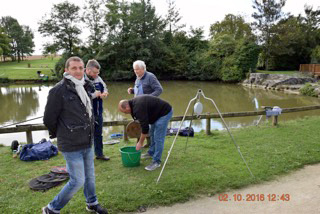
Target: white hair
[[140, 64]]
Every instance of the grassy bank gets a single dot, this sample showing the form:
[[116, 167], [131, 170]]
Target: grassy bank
[[290, 73], [27, 70], [210, 165]]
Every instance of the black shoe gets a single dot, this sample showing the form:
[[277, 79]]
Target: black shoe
[[105, 158], [45, 210], [97, 208]]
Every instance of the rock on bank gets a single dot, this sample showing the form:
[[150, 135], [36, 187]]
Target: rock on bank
[[281, 82]]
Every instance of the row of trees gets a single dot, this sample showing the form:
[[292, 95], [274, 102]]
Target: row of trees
[[16, 41], [286, 40], [122, 32]]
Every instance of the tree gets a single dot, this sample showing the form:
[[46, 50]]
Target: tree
[[26, 46], [4, 44], [312, 22], [231, 25], [267, 15], [312, 18], [135, 32], [20, 37], [315, 56], [232, 59], [295, 40], [173, 18], [62, 26], [93, 17], [50, 49], [14, 31], [290, 44]]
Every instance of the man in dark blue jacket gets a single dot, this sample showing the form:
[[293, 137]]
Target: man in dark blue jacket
[[100, 92], [150, 110], [68, 117], [146, 82]]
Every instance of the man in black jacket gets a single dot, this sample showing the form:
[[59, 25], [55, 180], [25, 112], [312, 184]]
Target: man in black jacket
[[68, 116], [151, 110]]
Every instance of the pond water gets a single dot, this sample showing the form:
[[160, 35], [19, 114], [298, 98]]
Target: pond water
[[25, 102]]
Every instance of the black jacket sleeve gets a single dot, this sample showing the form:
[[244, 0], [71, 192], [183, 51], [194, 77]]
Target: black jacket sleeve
[[52, 111]]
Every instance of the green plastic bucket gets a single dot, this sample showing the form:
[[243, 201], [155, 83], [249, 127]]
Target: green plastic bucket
[[130, 156]]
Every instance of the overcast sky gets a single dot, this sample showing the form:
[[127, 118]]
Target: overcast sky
[[196, 13]]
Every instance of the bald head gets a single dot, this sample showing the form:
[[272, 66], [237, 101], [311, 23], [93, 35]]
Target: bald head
[[124, 106]]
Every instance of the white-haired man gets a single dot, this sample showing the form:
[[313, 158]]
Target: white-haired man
[[146, 82]]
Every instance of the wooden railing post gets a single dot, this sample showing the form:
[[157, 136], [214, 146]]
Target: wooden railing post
[[208, 126], [29, 136], [275, 120]]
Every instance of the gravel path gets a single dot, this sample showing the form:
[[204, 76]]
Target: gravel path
[[301, 191]]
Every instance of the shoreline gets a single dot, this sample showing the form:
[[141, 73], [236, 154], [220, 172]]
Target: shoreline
[[290, 89]]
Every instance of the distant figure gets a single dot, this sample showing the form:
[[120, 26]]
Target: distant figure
[[40, 75], [68, 116]]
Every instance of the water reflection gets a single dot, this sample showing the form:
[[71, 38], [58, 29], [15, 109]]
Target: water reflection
[[17, 103], [26, 102]]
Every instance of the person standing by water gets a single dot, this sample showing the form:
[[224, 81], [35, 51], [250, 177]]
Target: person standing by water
[[146, 83], [101, 91], [69, 118]]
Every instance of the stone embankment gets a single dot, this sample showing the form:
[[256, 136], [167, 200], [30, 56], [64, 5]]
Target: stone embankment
[[280, 82]]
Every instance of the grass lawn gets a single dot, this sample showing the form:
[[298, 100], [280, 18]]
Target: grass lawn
[[16, 71], [210, 165], [291, 73]]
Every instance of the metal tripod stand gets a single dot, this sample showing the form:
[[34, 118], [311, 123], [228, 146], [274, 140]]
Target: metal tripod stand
[[197, 97]]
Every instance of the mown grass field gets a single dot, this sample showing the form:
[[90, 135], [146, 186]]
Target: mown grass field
[[210, 165], [21, 70]]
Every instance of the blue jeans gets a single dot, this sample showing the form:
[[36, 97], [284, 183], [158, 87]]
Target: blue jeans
[[157, 134], [98, 145], [80, 166]]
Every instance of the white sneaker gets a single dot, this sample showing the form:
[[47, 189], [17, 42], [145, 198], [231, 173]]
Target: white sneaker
[[152, 166]]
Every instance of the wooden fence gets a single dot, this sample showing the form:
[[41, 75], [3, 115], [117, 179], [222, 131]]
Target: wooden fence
[[312, 68], [38, 127]]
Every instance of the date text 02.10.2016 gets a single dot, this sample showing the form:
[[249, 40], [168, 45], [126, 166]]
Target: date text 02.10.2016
[[254, 197]]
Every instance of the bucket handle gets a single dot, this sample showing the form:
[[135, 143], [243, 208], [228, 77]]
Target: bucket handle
[[132, 160]]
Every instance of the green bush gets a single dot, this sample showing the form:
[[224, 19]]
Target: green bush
[[237, 57], [230, 72], [122, 75], [308, 90], [315, 55]]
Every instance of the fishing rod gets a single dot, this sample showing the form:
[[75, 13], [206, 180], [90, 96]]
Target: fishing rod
[[21, 122]]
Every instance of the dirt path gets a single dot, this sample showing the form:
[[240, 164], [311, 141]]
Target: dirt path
[[303, 187]]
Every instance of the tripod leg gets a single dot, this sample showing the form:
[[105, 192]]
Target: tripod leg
[[185, 148]]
